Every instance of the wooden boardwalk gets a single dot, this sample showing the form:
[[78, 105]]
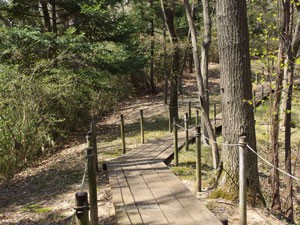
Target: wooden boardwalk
[[145, 191]]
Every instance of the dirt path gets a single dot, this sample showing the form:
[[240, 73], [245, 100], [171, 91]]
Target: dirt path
[[45, 194]]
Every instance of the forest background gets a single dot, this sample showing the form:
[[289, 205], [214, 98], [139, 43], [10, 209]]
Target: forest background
[[64, 63]]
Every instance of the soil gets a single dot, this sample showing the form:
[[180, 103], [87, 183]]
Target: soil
[[44, 194]]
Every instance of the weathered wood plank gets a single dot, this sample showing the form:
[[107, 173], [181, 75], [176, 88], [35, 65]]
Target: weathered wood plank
[[167, 202], [123, 198], [144, 200], [146, 192], [189, 202]]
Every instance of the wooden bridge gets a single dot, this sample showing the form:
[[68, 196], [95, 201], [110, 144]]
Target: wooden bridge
[[145, 191]]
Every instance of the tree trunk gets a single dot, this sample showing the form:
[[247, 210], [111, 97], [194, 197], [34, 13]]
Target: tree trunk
[[236, 90], [191, 61], [284, 23], [287, 136], [287, 109], [276, 205], [166, 77], [200, 84], [54, 19], [204, 56], [47, 22], [153, 88], [168, 11], [181, 70]]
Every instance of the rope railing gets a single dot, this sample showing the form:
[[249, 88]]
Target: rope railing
[[192, 130], [80, 190], [83, 208], [270, 164], [251, 149], [243, 146]]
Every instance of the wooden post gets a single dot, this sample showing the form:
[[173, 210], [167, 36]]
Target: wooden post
[[92, 186], [254, 101], [82, 208], [198, 159], [175, 133], [242, 182], [190, 110], [197, 117], [215, 118], [94, 141], [123, 134], [224, 221], [142, 126], [170, 120], [186, 127], [89, 141]]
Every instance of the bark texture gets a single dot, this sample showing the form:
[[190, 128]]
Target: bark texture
[[153, 88], [201, 89], [46, 16], [284, 22], [236, 91], [204, 55], [289, 70], [168, 7]]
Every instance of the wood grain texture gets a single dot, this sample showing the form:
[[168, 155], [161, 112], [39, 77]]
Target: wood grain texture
[[145, 191]]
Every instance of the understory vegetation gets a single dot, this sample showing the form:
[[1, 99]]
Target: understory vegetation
[[66, 63], [42, 98]]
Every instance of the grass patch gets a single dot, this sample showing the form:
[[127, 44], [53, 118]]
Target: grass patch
[[154, 127], [36, 208], [186, 169]]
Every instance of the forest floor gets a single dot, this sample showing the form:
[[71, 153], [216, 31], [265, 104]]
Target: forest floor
[[44, 194]]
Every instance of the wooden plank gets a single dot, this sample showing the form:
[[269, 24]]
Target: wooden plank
[[167, 202], [146, 192], [124, 201], [144, 151], [191, 204], [144, 200], [151, 153]]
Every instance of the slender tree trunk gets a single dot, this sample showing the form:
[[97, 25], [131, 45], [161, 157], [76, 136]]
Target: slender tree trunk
[[168, 11], [181, 70], [200, 84], [283, 36], [276, 205], [185, 55], [153, 88], [236, 89], [54, 19], [47, 22], [204, 55], [183, 64], [289, 213], [166, 76], [191, 61], [287, 109]]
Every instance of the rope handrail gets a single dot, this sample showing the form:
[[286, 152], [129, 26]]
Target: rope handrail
[[81, 188], [251, 149], [270, 164]]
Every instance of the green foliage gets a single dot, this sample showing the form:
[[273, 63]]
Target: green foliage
[[263, 30], [53, 83]]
